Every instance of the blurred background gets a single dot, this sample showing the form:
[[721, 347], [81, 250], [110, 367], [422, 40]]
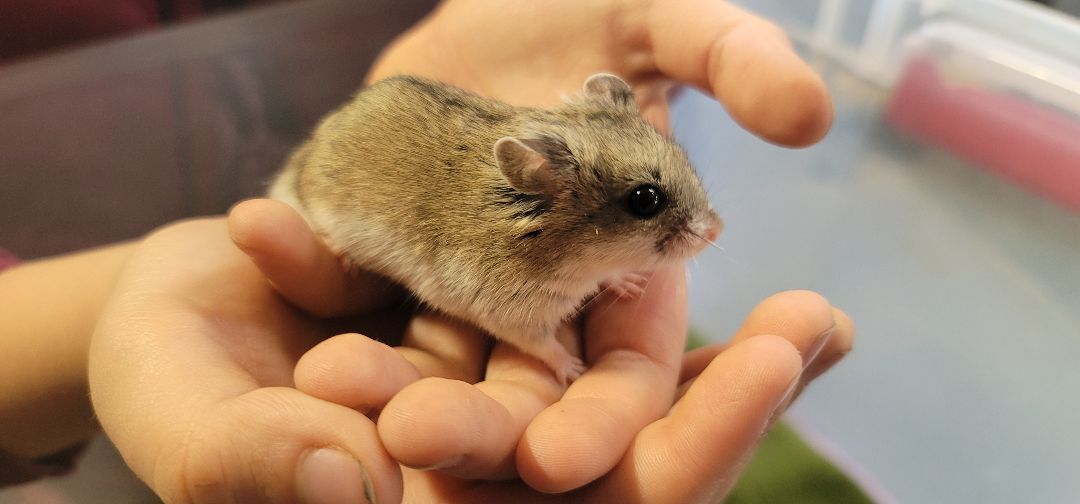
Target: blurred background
[[942, 212]]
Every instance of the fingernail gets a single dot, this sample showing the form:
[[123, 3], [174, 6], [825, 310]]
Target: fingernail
[[815, 348], [329, 475], [782, 404], [444, 464]]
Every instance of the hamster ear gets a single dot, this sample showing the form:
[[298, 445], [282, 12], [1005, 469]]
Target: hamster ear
[[525, 167], [609, 88]]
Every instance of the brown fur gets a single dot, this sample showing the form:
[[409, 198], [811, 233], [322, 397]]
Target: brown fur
[[403, 180]]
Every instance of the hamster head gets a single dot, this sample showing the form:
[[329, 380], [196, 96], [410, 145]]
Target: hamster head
[[616, 194]]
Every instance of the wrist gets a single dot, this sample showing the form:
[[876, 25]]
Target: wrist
[[50, 310]]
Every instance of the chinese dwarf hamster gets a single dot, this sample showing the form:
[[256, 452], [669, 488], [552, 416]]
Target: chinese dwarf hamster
[[506, 217]]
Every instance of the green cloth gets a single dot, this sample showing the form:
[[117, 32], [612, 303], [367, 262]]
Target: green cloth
[[786, 470]]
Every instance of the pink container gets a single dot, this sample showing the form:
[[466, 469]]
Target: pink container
[[1003, 107]]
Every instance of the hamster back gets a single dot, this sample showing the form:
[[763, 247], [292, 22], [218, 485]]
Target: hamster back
[[506, 217]]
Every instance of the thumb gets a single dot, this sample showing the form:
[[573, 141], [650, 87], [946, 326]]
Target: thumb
[[302, 268], [275, 445]]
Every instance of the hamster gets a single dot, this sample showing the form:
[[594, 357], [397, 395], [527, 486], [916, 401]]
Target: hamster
[[507, 217]]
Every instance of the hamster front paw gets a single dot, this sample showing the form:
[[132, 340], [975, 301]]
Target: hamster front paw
[[627, 285]]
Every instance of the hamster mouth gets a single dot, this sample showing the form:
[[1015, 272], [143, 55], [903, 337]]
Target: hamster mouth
[[679, 243], [683, 242]]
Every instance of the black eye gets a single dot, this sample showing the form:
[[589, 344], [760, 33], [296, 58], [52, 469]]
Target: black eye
[[645, 201]]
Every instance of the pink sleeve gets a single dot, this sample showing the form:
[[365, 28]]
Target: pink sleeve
[[7, 260]]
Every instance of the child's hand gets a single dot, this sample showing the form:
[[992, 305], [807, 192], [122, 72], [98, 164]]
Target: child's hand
[[502, 415], [192, 366], [527, 53], [191, 373]]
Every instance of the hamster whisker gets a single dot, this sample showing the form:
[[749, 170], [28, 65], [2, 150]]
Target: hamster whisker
[[609, 305], [711, 243], [611, 302], [591, 300]]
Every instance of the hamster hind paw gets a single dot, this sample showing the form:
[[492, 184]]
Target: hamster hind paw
[[572, 370], [348, 265], [565, 366]]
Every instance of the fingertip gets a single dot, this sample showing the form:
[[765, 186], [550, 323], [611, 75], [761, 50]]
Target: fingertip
[[330, 475], [801, 114], [781, 352], [748, 380], [255, 224], [768, 88], [839, 345], [572, 443], [294, 260], [300, 265], [747, 63], [274, 236], [353, 370], [799, 315], [436, 423], [696, 453], [845, 325]]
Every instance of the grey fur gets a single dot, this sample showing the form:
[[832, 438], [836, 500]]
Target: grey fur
[[403, 180]]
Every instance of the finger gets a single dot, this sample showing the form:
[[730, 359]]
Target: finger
[[653, 99], [300, 265], [201, 429], [821, 333], [469, 431], [444, 347], [696, 360], [696, 453], [804, 318], [362, 373], [278, 445], [354, 371], [838, 346], [437, 423], [634, 347], [747, 63]]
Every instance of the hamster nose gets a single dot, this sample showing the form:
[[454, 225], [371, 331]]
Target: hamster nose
[[711, 234], [715, 225]]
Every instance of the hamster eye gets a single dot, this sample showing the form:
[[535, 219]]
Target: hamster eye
[[645, 200]]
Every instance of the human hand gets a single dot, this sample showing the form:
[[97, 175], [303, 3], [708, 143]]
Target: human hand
[[191, 365], [236, 430], [457, 421], [191, 374], [528, 53]]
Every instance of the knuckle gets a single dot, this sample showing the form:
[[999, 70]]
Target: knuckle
[[191, 471], [225, 459]]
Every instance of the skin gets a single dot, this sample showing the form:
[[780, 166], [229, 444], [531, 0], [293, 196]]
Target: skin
[[746, 62], [49, 310], [218, 423], [195, 355]]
